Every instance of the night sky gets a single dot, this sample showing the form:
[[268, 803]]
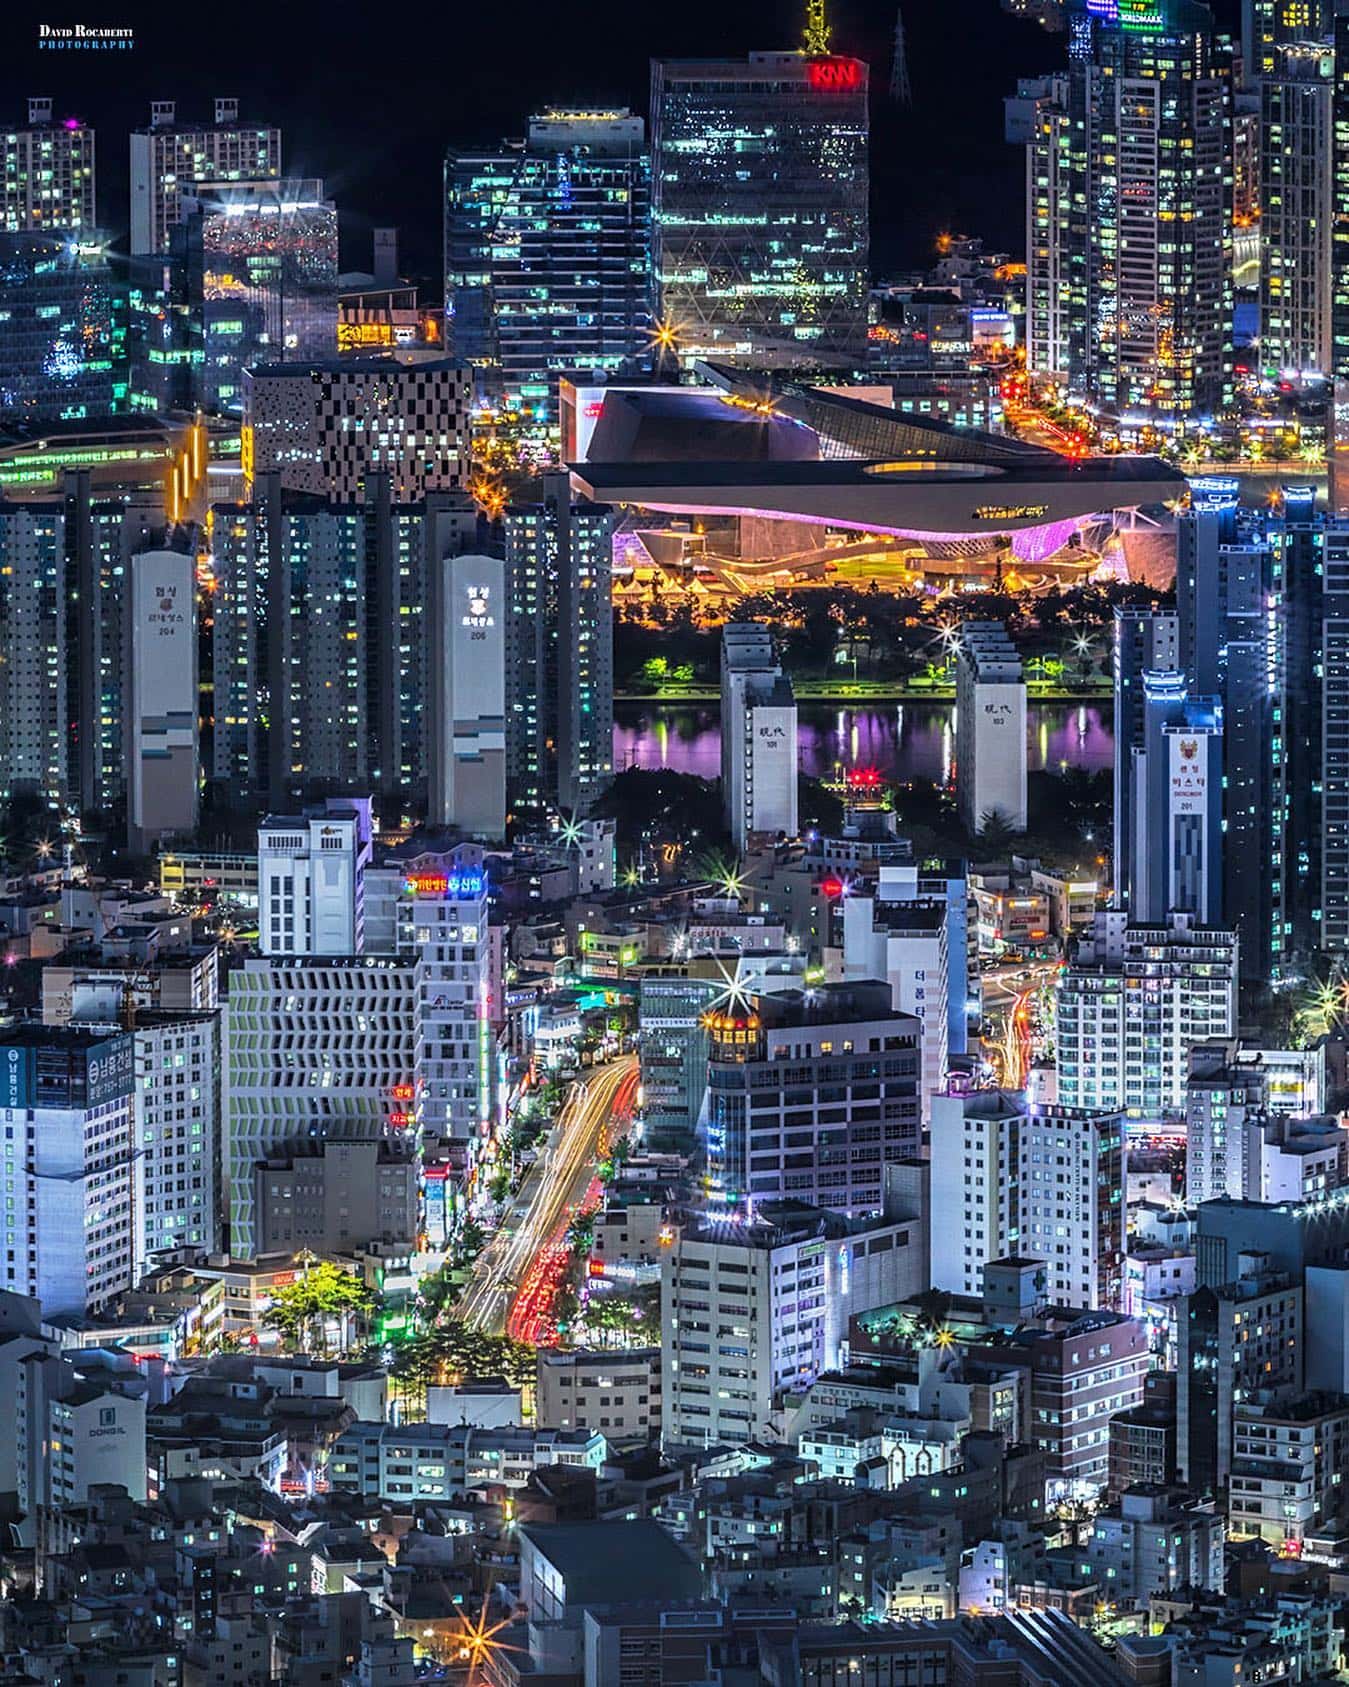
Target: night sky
[[367, 97]]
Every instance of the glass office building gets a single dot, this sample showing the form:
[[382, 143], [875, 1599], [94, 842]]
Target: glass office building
[[63, 329], [759, 206]]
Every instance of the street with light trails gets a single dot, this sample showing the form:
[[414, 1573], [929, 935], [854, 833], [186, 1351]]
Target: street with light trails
[[517, 1276]]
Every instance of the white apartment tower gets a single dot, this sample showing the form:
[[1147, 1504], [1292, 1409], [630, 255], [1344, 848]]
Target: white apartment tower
[[162, 706], [990, 727], [169, 161], [466, 761], [1132, 1003], [758, 737]]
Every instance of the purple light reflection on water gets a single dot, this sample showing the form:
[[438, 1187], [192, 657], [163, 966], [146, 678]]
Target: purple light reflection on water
[[902, 740]]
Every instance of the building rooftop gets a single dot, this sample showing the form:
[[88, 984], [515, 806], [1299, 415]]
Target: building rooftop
[[635, 1559]]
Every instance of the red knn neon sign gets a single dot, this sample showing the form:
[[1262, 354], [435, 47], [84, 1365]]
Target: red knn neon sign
[[835, 75]]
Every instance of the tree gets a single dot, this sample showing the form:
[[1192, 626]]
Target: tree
[[995, 835], [301, 1311]]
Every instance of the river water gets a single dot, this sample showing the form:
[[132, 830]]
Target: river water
[[902, 741]]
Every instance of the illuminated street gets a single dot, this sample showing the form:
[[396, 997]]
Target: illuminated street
[[1015, 1036], [517, 1275]]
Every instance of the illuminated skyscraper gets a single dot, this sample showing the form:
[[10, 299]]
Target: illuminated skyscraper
[[548, 256], [1129, 215], [63, 330], [559, 652], [1267, 25], [1296, 180], [759, 202], [262, 267], [46, 173], [168, 161]]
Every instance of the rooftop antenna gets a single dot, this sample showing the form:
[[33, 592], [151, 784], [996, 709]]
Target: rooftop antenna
[[816, 42], [900, 91]]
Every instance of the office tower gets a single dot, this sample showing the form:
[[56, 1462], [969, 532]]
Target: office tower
[[748, 1310], [1176, 806], [326, 427], [1132, 1003], [1221, 1093], [262, 269], [33, 749], [672, 1044], [466, 701], [1269, 25], [1145, 639], [904, 939], [351, 1191], [64, 353], [548, 258], [758, 738], [313, 1047], [759, 206], [1296, 193], [1041, 1183], [1232, 1339], [990, 728], [71, 1163], [163, 759], [46, 174], [844, 1066], [1258, 598], [311, 879], [559, 652], [319, 657], [169, 161], [1129, 218]]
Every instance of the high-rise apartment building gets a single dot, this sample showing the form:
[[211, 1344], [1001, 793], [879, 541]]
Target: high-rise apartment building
[[466, 724], [748, 1310], [990, 727], [548, 258], [178, 1083], [163, 761], [759, 206], [1129, 230], [46, 173], [809, 1095], [68, 1108], [169, 160], [64, 329], [1176, 805], [559, 652], [1268, 25], [33, 748], [1132, 1003], [758, 737], [1145, 640], [327, 427], [1296, 210], [1042, 1183], [262, 270]]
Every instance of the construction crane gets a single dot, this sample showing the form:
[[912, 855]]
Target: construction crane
[[900, 91]]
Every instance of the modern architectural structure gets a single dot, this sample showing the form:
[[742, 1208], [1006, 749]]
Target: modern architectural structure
[[163, 761], [178, 1085], [1039, 1183], [262, 269], [1174, 858], [169, 160], [1145, 640], [990, 728], [1132, 1002], [809, 1095], [71, 1158], [33, 745], [1297, 153], [46, 174], [548, 258], [750, 1309], [758, 738], [466, 683], [311, 879], [759, 206], [327, 427], [1129, 147], [673, 1047], [559, 652], [64, 329]]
